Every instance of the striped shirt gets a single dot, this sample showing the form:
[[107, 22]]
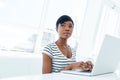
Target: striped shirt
[[59, 61]]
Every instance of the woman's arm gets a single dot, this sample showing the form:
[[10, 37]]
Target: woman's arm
[[47, 64], [75, 65], [85, 66]]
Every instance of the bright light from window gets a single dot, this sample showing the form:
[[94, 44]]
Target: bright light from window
[[2, 4], [17, 38], [19, 22]]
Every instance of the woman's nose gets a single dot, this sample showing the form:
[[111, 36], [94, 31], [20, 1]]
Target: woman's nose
[[67, 28]]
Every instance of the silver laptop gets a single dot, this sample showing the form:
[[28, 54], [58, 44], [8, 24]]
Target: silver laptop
[[106, 61]]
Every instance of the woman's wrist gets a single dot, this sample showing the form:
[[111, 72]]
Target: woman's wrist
[[68, 67]]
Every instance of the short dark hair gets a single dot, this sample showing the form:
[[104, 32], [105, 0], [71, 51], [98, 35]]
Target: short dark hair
[[63, 19]]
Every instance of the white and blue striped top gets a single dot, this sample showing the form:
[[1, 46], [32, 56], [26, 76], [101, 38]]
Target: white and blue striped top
[[59, 61]]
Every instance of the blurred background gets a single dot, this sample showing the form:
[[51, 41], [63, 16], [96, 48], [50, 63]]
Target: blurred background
[[28, 25]]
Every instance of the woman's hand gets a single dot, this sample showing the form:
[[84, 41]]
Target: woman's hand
[[84, 66]]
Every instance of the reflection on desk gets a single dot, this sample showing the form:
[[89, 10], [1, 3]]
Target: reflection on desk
[[30, 77], [62, 76]]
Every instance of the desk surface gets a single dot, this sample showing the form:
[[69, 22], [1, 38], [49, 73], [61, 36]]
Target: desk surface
[[62, 76]]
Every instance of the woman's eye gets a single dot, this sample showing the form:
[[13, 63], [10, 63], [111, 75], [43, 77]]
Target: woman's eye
[[62, 25], [70, 26], [65, 25]]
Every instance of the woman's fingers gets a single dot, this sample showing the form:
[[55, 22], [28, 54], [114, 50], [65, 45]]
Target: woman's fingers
[[85, 66], [90, 65]]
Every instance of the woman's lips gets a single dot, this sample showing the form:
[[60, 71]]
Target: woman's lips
[[66, 33]]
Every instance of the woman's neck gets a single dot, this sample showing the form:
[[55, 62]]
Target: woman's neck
[[61, 42]]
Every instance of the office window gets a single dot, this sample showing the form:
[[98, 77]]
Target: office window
[[28, 25], [19, 23], [109, 23], [17, 38]]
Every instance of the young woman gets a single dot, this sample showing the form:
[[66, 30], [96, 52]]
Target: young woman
[[59, 55]]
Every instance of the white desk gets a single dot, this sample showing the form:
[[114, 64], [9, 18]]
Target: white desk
[[62, 76], [30, 77]]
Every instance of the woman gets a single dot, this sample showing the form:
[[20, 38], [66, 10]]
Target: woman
[[59, 55]]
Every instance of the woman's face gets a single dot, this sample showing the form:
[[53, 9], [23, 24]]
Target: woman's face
[[65, 29]]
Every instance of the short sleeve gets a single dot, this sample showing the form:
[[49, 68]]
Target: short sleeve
[[47, 50]]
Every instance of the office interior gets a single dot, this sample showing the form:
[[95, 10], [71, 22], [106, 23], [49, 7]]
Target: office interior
[[26, 26]]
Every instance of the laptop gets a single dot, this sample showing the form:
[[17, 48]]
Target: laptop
[[107, 59]]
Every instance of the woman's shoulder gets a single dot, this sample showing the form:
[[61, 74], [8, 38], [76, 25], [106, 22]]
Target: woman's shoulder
[[48, 49], [50, 45]]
